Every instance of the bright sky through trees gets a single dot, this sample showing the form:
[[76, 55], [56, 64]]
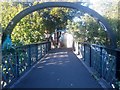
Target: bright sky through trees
[[107, 8], [101, 5], [98, 5]]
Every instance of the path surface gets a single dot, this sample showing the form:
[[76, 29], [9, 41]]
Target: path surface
[[59, 69]]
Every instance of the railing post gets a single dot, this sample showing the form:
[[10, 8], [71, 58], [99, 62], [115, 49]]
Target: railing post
[[36, 52], [84, 51], [17, 64], [101, 63], [46, 47], [118, 65], [90, 55], [78, 48], [41, 51], [29, 56]]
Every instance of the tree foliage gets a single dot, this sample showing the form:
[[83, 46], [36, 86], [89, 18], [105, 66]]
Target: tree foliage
[[110, 10], [92, 32], [87, 29], [32, 28]]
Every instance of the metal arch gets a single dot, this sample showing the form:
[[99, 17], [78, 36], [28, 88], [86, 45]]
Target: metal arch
[[77, 6]]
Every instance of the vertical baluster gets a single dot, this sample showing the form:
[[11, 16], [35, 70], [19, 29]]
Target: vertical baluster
[[41, 51], [36, 52], [7, 74], [84, 52], [45, 48], [87, 54], [118, 64], [90, 55], [4, 78], [101, 62], [17, 64], [29, 55]]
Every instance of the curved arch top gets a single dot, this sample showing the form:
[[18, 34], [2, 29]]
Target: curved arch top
[[77, 6]]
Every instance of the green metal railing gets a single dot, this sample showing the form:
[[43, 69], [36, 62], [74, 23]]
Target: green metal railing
[[105, 62], [15, 62]]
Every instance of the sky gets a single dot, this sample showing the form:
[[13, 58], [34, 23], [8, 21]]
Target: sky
[[94, 4], [94, 1]]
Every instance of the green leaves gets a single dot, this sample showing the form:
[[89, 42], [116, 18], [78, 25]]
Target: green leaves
[[32, 27], [87, 29]]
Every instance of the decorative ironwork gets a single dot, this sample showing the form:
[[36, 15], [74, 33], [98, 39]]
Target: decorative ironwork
[[109, 66], [103, 60], [17, 62]]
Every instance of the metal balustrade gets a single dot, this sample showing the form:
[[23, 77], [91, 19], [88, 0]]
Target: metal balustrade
[[104, 61], [15, 62]]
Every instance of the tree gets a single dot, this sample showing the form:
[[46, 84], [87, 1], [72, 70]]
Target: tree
[[86, 29], [110, 10], [92, 31], [32, 27]]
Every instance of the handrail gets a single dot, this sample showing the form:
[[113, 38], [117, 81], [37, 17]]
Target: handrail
[[34, 44], [83, 43], [105, 61], [17, 62]]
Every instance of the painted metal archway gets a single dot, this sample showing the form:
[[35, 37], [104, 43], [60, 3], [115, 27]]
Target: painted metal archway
[[77, 6]]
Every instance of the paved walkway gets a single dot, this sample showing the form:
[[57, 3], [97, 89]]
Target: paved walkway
[[59, 69]]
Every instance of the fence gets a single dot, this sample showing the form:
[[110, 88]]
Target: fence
[[105, 62], [15, 62]]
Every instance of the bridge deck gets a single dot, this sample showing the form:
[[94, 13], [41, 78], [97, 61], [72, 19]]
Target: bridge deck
[[60, 68]]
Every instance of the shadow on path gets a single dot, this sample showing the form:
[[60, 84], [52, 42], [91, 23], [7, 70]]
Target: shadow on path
[[59, 69]]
